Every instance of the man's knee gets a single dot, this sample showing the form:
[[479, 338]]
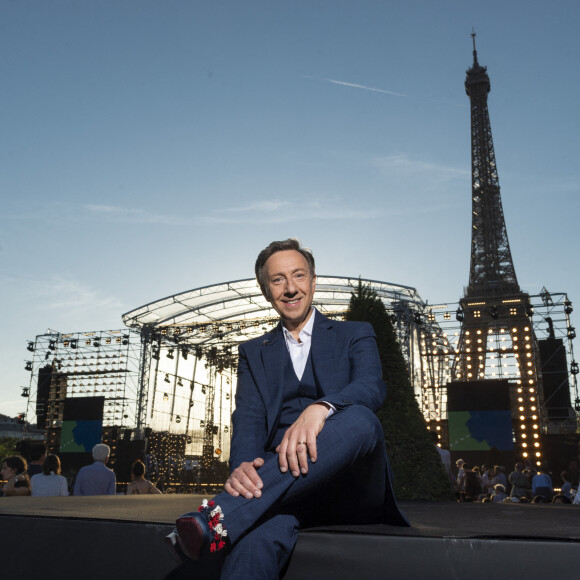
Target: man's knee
[[363, 421]]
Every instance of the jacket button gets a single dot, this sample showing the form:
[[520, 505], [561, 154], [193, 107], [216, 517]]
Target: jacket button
[[301, 393]]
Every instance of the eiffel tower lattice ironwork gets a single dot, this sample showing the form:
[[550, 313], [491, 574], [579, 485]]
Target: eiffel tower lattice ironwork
[[497, 340]]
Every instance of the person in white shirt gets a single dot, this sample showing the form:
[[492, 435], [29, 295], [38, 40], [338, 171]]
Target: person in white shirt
[[49, 482]]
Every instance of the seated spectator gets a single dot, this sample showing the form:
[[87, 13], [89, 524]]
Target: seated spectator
[[140, 485], [560, 498], [542, 484], [50, 482], [499, 476], [14, 473], [37, 456], [486, 485], [471, 485], [499, 494], [96, 479], [566, 490], [520, 483]]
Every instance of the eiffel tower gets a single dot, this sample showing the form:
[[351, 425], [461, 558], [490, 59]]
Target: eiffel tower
[[495, 314]]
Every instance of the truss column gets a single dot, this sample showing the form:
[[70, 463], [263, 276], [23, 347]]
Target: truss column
[[147, 337]]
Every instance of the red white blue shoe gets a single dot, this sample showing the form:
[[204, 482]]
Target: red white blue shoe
[[198, 533]]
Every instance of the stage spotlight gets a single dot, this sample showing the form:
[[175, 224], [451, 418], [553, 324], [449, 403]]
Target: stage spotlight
[[165, 397], [52, 345], [30, 346], [96, 342], [125, 339], [155, 353], [73, 343], [25, 392], [574, 367], [166, 379], [28, 366], [568, 307], [178, 419], [571, 333], [459, 315], [184, 353], [179, 383], [170, 353]]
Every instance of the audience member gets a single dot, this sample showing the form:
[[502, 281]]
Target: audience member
[[470, 483], [96, 479], [140, 485], [499, 493], [542, 484], [14, 473], [50, 482], [561, 499], [37, 456], [499, 476], [486, 486], [566, 490], [520, 483]]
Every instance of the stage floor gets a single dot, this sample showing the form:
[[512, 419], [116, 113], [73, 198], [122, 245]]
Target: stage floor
[[118, 536]]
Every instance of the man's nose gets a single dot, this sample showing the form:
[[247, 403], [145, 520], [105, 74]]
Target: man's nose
[[290, 287]]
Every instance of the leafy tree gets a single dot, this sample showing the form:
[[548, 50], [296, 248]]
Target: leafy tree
[[7, 447], [418, 472]]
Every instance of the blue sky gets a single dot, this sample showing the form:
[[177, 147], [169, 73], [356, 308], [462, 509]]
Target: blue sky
[[151, 147]]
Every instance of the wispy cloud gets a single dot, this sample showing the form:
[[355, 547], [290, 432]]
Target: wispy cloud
[[406, 166], [135, 215], [64, 293]]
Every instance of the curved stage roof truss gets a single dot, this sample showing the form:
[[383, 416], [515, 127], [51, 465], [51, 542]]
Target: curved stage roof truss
[[242, 300]]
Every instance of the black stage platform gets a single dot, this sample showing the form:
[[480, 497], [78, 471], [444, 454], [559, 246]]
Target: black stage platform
[[121, 537]]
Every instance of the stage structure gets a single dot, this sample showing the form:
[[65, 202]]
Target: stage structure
[[444, 349], [100, 364], [499, 338], [191, 341]]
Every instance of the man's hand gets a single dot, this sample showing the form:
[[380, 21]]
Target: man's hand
[[244, 480], [299, 441]]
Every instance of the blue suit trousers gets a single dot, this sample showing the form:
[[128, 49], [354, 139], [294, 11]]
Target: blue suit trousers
[[345, 485]]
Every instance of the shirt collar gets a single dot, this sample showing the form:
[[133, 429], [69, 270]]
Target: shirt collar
[[307, 328]]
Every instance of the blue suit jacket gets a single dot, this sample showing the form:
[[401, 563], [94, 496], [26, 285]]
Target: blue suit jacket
[[347, 369]]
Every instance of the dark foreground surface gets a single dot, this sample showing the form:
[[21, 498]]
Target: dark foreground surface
[[122, 537]]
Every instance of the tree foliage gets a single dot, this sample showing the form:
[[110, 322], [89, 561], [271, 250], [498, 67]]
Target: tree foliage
[[7, 447], [418, 472]]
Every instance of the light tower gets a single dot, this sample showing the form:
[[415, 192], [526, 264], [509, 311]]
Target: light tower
[[497, 341]]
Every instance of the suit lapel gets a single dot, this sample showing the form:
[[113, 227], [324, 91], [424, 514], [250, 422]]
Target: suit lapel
[[273, 358], [322, 351]]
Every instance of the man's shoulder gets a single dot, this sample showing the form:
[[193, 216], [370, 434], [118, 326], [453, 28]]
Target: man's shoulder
[[266, 339], [346, 327]]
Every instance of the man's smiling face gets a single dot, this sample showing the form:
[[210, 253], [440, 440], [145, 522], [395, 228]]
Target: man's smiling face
[[291, 286]]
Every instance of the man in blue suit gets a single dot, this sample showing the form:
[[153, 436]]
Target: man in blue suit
[[307, 447]]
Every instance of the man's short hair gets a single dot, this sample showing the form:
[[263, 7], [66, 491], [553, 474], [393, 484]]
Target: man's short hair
[[37, 451], [289, 244], [101, 452]]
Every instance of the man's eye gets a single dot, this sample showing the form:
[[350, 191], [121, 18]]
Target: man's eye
[[299, 275], [277, 281]]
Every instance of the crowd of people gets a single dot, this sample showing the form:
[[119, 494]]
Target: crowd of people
[[42, 476], [492, 484]]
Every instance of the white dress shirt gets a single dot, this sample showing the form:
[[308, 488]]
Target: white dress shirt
[[300, 349]]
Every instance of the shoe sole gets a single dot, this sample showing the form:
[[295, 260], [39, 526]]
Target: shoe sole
[[190, 537]]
